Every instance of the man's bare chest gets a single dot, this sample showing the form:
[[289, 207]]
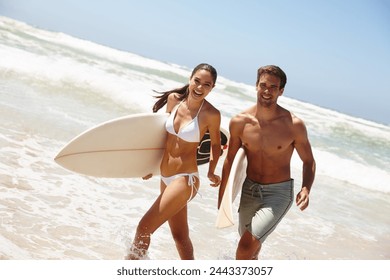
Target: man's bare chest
[[268, 139]]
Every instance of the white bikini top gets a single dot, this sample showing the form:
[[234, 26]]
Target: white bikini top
[[189, 132]]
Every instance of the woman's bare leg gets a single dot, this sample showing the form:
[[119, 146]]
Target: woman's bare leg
[[171, 200], [180, 230], [181, 236]]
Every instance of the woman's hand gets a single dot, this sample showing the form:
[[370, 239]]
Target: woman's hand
[[215, 179], [147, 177]]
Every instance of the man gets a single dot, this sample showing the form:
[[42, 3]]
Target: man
[[269, 134]]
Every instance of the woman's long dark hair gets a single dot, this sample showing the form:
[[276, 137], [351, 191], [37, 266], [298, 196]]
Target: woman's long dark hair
[[183, 91]]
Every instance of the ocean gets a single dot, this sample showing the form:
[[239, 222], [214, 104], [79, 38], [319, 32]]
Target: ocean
[[54, 86]]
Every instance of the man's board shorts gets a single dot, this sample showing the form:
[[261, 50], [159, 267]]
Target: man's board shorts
[[262, 207]]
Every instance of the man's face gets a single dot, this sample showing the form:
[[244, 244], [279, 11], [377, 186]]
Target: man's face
[[268, 90]]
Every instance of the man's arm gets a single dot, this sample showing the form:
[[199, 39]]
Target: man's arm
[[303, 148], [235, 129]]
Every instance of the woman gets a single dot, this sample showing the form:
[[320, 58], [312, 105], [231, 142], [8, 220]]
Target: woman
[[191, 116]]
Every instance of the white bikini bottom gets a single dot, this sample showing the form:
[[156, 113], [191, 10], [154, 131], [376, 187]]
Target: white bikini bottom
[[191, 180]]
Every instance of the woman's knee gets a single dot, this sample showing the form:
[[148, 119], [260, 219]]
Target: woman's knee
[[144, 228]]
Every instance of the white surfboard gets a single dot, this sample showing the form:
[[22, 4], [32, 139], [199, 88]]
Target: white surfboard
[[131, 146], [233, 187]]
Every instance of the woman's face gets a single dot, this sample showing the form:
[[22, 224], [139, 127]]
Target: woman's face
[[201, 84]]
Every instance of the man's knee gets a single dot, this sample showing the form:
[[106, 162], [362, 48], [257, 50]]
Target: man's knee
[[248, 247]]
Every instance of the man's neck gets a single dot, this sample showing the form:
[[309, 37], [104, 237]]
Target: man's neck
[[267, 113]]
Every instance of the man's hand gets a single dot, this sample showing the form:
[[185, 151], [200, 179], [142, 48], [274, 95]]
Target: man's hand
[[302, 199]]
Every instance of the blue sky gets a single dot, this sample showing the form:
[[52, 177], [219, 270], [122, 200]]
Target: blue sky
[[336, 53]]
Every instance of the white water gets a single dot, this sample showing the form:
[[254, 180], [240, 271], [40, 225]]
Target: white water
[[53, 87]]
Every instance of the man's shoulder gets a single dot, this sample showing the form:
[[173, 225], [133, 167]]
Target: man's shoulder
[[297, 124], [242, 118], [239, 121], [246, 114], [291, 116], [296, 120]]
